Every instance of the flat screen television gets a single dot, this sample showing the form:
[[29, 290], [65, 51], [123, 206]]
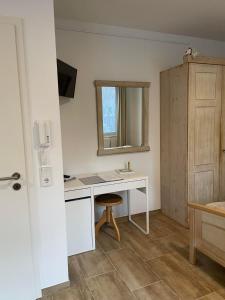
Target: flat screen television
[[67, 76]]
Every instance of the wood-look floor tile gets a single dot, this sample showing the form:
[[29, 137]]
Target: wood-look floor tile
[[75, 272], [180, 277], [72, 293], [156, 291], [165, 250], [157, 229], [109, 287], [174, 239], [221, 292], [171, 225], [132, 269], [211, 272], [85, 290], [93, 263], [76, 277], [107, 242], [144, 247], [46, 298], [174, 243], [212, 296], [163, 218]]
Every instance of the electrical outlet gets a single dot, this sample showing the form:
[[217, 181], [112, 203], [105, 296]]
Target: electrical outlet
[[45, 176]]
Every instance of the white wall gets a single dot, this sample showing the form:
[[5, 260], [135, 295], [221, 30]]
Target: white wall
[[47, 204], [113, 53]]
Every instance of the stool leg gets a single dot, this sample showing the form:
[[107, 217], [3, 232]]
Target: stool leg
[[113, 221], [108, 213], [102, 221]]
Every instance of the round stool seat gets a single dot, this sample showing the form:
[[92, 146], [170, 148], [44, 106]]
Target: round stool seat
[[108, 200]]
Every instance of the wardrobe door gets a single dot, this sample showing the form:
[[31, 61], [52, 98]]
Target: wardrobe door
[[205, 84], [222, 147]]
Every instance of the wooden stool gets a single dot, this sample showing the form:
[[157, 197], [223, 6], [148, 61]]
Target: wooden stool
[[108, 200]]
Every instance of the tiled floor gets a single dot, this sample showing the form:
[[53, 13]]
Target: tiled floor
[[143, 267]]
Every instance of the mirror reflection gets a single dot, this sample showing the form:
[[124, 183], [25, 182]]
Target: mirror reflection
[[122, 116]]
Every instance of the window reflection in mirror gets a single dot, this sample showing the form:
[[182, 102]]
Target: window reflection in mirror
[[122, 116]]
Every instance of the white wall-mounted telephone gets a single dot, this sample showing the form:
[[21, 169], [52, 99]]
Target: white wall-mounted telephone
[[44, 133]]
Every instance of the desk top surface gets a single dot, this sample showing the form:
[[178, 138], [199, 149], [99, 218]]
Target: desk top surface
[[110, 177]]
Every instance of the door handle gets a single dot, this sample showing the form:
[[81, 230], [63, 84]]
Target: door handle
[[15, 176]]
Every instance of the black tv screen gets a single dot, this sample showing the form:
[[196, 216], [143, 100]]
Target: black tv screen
[[66, 79]]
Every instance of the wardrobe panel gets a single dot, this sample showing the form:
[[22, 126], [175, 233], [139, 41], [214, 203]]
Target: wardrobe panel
[[204, 186], [205, 85], [178, 142], [204, 132], [204, 135], [165, 142], [173, 118], [222, 146]]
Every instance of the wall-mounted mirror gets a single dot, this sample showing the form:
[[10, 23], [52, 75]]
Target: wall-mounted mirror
[[122, 116]]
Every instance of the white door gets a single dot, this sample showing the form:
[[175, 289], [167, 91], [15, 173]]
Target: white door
[[16, 269]]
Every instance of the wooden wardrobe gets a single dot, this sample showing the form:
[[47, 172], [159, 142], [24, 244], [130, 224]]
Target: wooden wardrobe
[[192, 135]]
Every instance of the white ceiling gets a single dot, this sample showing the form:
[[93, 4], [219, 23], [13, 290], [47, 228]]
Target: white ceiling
[[198, 18]]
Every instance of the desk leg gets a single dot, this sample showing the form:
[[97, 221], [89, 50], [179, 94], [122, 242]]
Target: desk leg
[[93, 218], [147, 211]]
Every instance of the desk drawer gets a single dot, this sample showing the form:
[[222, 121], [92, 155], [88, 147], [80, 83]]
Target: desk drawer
[[136, 184], [110, 188], [79, 193]]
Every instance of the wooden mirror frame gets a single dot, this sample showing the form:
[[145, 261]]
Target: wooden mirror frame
[[145, 117]]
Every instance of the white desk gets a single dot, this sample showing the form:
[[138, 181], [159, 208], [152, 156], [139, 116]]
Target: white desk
[[77, 190]]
